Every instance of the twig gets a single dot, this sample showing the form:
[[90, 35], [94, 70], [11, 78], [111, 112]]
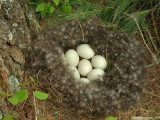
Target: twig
[[35, 107], [81, 29], [145, 118], [153, 44], [154, 57], [153, 64], [152, 94]]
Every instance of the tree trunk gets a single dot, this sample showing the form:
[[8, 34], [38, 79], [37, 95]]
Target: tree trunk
[[16, 25]]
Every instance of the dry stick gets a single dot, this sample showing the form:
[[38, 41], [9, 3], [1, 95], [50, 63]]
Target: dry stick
[[80, 28], [153, 44], [154, 57], [153, 64], [35, 107], [152, 94]]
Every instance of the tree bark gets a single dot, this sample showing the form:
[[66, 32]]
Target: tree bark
[[17, 24]]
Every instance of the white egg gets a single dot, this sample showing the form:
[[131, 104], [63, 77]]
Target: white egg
[[72, 57], [84, 80], [84, 67], [99, 61], [75, 72], [95, 74], [85, 51]]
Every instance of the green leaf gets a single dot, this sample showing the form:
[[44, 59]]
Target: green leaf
[[8, 117], [51, 9], [44, 12], [31, 78], [40, 7], [22, 84], [4, 94], [111, 118], [67, 1], [15, 115], [41, 95], [19, 97], [13, 101], [67, 8], [56, 2]]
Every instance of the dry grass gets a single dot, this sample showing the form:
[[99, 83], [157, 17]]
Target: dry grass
[[149, 106]]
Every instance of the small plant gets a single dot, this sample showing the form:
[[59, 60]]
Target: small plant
[[66, 7], [40, 95], [4, 94], [19, 97], [49, 8], [23, 94], [10, 117], [111, 118], [32, 79], [56, 2], [44, 9]]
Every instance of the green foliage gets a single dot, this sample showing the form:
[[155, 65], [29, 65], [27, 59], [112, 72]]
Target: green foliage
[[23, 94], [111, 118], [10, 117], [67, 8], [19, 97], [15, 115], [44, 9], [56, 2], [40, 7], [82, 10], [22, 84], [32, 79], [41, 95], [33, 4], [13, 101], [129, 24], [48, 8], [117, 15], [4, 94]]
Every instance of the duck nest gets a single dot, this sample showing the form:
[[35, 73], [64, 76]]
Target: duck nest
[[118, 90]]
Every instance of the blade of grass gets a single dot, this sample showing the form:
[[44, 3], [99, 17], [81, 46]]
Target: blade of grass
[[154, 57]]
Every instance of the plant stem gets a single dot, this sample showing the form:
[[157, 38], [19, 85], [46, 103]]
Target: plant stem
[[35, 107]]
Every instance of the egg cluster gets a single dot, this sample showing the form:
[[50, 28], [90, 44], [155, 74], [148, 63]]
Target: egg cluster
[[90, 66]]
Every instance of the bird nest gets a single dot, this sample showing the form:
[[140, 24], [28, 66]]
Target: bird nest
[[118, 90]]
